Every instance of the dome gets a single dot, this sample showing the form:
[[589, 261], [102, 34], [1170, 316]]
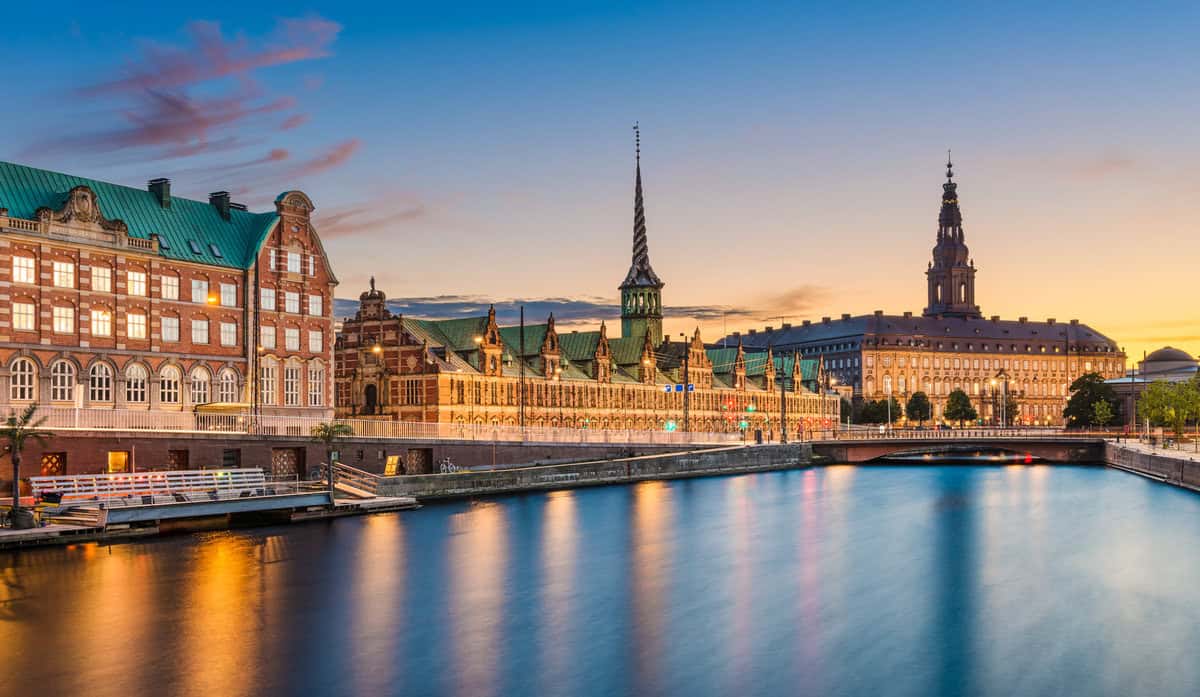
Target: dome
[[1168, 354]]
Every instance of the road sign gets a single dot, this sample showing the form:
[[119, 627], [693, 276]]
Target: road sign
[[678, 388], [691, 387], [666, 388]]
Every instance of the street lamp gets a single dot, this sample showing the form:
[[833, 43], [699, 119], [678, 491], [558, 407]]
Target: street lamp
[[687, 350]]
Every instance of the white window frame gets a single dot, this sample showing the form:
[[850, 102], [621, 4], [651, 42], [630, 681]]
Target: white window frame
[[266, 336], [100, 383], [316, 385], [24, 316], [200, 331], [291, 339], [291, 386], [229, 334], [137, 380], [227, 386], [135, 283], [63, 275], [101, 322], [101, 279], [229, 295], [291, 302], [316, 341], [268, 384], [170, 329], [293, 262], [135, 325], [267, 299], [62, 382], [169, 379], [24, 269], [22, 385], [168, 287], [200, 386], [200, 291], [316, 305], [64, 319]]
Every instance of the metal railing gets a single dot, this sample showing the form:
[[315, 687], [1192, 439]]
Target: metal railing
[[1014, 433], [68, 419], [223, 484]]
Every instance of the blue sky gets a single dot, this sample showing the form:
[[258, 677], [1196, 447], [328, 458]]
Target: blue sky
[[792, 153]]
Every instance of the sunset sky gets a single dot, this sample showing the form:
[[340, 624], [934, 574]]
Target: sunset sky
[[792, 156]]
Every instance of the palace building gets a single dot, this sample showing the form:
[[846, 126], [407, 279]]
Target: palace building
[[474, 371], [951, 345], [118, 298]]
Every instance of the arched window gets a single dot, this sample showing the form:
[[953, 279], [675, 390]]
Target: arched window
[[135, 383], [962, 292], [100, 383], [168, 384], [200, 381], [62, 382], [24, 378], [227, 386]]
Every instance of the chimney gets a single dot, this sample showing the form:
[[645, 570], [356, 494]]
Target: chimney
[[1022, 320], [220, 201], [238, 206], [879, 313], [753, 331], [806, 323], [845, 315], [787, 325], [824, 320], [1074, 321], [907, 315], [161, 188], [770, 328], [995, 318], [1050, 321]]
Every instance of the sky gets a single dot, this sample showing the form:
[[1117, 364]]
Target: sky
[[792, 154]]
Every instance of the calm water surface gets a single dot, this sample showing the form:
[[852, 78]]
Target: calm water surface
[[839, 581]]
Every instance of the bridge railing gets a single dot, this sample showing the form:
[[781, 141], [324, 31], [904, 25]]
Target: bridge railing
[[959, 434]]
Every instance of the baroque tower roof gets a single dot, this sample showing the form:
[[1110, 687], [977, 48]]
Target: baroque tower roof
[[641, 274]]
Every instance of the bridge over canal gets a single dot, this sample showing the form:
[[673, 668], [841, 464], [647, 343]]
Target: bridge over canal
[[1037, 444]]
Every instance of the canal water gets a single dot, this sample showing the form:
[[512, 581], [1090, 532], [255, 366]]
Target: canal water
[[1018, 580]]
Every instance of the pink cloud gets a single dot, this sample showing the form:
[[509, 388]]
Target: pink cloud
[[330, 159], [293, 121]]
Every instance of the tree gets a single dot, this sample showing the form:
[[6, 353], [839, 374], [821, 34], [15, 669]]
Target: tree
[[1102, 413], [1088, 389], [1170, 404], [328, 434], [918, 408], [958, 408], [17, 430]]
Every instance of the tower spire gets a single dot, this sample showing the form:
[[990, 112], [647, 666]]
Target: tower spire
[[951, 276], [641, 291]]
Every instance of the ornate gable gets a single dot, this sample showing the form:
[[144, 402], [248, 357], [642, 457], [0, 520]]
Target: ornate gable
[[82, 208]]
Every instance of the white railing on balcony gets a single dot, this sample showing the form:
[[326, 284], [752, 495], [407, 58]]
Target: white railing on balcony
[[129, 420]]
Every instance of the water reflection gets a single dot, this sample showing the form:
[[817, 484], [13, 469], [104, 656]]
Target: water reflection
[[840, 581]]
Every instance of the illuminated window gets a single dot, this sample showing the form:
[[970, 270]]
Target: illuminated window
[[23, 316], [170, 329], [22, 378], [64, 320], [135, 283], [101, 279], [135, 325], [64, 274], [62, 382], [228, 295], [199, 290], [101, 323], [23, 270], [168, 385], [169, 287], [136, 378]]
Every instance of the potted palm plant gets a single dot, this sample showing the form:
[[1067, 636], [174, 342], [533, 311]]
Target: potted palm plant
[[16, 430]]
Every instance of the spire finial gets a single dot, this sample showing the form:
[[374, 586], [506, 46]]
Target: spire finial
[[949, 166], [637, 142], [372, 284]]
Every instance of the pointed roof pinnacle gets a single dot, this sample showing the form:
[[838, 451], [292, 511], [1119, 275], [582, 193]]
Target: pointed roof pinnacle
[[640, 272], [949, 167]]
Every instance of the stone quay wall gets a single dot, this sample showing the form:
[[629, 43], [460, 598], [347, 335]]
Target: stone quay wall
[[677, 465], [1172, 468]]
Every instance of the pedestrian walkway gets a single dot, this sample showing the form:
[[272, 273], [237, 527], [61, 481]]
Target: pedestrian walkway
[[1185, 452]]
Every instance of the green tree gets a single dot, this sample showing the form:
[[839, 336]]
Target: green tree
[[1170, 404], [1088, 389], [16, 430], [958, 408], [918, 408], [328, 434], [1102, 413]]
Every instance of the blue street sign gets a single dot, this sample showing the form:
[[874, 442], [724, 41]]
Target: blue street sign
[[691, 387], [679, 388], [666, 388]]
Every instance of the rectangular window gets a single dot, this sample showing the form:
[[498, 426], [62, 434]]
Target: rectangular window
[[169, 287], [268, 299], [23, 314], [268, 385], [228, 334], [274, 260], [291, 386], [170, 329], [316, 340], [64, 274], [199, 331], [267, 337], [291, 302], [135, 323], [23, 270], [316, 386], [118, 461], [101, 323], [101, 279], [291, 339], [312, 265], [64, 320], [293, 262], [314, 305], [199, 290], [228, 295], [135, 283]]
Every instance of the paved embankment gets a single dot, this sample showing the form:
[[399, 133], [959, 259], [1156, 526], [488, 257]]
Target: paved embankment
[[1177, 467], [698, 463]]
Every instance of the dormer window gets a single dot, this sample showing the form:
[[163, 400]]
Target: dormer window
[[216, 251], [195, 247]]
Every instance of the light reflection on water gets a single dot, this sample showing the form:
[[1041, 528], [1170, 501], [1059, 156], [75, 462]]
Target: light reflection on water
[[837, 581]]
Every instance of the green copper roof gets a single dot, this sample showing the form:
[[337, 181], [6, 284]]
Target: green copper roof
[[23, 190]]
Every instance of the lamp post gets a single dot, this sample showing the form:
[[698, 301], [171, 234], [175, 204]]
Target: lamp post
[[687, 351], [1003, 377]]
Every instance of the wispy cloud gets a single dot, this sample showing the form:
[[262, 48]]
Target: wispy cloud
[[365, 218], [1105, 165], [206, 96]]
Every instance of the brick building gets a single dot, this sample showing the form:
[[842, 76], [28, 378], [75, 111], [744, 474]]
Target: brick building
[[474, 371], [118, 298]]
